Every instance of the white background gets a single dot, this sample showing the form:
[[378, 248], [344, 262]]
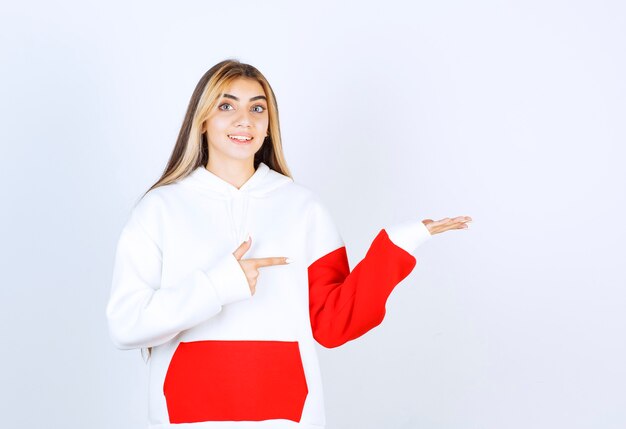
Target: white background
[[510, 112]]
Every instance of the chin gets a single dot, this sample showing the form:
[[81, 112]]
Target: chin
[[243, 154], [230, 150]]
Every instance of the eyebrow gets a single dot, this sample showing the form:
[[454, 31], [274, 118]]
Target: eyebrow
[[237, 98]]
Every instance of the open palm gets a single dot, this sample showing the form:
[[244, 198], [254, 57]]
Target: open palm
[[445, 224]]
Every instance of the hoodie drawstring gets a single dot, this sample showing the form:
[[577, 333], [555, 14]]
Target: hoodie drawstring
[[238, 229]]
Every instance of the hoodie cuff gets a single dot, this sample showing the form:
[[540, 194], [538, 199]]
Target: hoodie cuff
[[229, 280], [408, 235]]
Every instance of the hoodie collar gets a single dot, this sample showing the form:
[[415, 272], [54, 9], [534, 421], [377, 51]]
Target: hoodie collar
[[261, 183]]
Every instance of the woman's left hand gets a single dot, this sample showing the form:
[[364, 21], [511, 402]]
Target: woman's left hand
[[445, 224]]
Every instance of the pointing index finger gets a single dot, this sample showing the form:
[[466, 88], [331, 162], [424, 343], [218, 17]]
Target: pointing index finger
[[266, 262]]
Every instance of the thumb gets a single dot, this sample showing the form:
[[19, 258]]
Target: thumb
[[243, 248]]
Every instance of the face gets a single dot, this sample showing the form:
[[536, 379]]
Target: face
[[241, 111]]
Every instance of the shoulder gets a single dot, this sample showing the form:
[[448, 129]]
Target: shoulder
[[323, 235], [150, 209], [316, 209], [152, 202], [306, 196]]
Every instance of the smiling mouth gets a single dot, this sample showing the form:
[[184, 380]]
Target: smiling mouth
[[240, 139]]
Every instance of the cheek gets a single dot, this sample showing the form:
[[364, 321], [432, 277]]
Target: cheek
[[263, 125], [218, 125], [259, 142]]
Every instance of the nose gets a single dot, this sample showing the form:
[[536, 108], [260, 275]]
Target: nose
[[243, 119]]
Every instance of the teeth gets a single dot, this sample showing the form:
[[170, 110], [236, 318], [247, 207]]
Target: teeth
[[240, 138]]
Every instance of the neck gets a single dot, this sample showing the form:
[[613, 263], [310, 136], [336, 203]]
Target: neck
[[234, 171]]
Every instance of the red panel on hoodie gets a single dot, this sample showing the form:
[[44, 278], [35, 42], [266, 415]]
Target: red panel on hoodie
[[344, 305], [235, 380]]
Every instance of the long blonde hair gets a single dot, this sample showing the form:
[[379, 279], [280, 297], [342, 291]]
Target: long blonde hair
[[191, 149]]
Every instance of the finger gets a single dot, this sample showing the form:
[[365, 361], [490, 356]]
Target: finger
[[443, 221], [266, 262], [462, 222], [454, 221], [243, 248]]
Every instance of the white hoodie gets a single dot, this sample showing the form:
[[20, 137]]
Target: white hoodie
[[222, 358]]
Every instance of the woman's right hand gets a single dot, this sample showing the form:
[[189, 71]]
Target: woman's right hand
[[250, 266]]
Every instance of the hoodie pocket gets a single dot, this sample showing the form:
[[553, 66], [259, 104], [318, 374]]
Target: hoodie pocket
[[235, 380]]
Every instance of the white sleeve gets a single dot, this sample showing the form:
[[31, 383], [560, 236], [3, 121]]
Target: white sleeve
[[409, 234], [141, 314]]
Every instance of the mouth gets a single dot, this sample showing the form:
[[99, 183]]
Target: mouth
[[240, 139]]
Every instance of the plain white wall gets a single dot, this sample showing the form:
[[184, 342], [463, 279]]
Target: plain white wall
[[510, 112]]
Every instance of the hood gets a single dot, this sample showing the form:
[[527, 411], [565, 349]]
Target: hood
[[236, 201]]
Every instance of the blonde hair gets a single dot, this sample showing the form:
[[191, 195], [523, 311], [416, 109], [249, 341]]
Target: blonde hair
[[191, 149]]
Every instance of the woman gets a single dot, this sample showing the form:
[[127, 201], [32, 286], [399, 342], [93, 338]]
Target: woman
[[228, 272]]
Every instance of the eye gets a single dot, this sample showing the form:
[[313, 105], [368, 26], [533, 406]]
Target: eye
[[262, 108], [224, 104]]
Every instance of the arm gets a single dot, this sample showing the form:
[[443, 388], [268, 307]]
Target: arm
[[142, 314], [346, 304]]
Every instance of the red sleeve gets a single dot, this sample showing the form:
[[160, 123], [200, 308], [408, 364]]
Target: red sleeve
[[344, 305]]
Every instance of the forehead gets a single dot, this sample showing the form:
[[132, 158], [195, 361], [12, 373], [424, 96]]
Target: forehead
[[244, 87]]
